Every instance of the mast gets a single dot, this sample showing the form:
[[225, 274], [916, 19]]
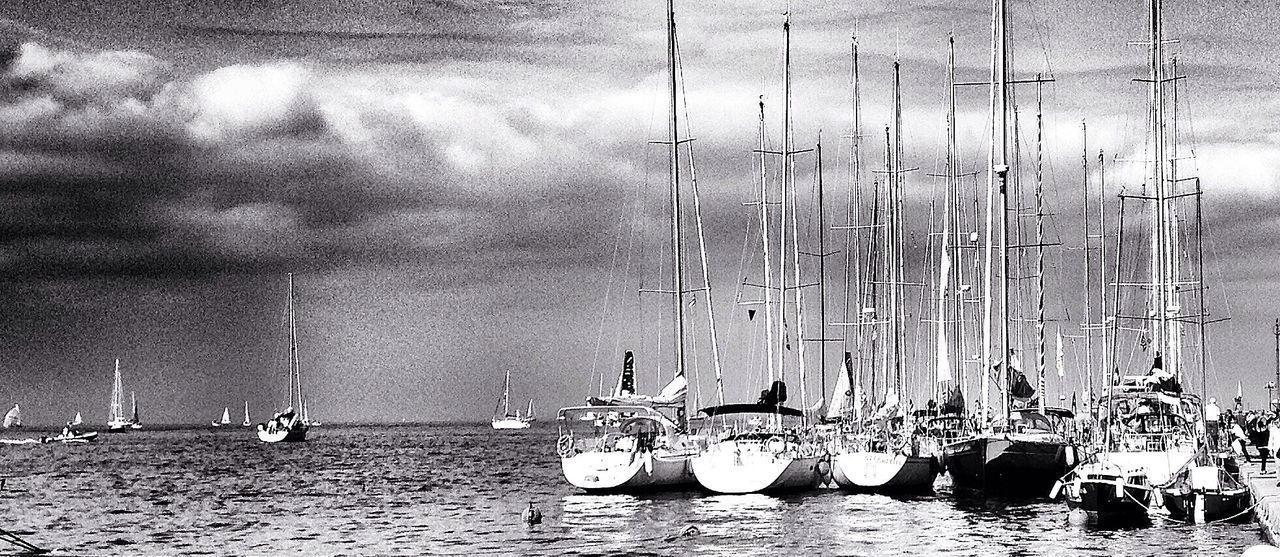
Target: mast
[[1160, 230], [895, 215], [948, 208], [1108, 339], [506, 395], [1088, 274], [133, 399], [764, 243], [789, 185], [677, 251], [853, 257], [117, 396], [1002, 170], [822, 273], [295, 373], [1040, 239]]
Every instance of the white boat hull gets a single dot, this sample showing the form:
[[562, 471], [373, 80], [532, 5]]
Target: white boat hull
[[732, 468], [884, 472], [510, 423], [1159, 466], [627, 471], [281, 435]]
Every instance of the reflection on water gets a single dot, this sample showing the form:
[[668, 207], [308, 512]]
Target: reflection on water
[[459, 490]]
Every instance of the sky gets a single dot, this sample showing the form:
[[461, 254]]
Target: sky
[[448, 181]]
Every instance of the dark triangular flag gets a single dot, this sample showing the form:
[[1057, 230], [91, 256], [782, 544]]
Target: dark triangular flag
[[751, 314]]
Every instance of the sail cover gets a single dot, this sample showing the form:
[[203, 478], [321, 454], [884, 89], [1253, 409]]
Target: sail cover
[[674, 392], [627, 381]]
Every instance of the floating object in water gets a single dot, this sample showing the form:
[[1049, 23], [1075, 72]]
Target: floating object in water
[[1077, 517], [531, 515], [686, 532]]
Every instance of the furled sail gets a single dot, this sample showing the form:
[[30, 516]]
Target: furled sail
[[840, 397]]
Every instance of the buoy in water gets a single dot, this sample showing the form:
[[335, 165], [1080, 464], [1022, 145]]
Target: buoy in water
[[531, 515]]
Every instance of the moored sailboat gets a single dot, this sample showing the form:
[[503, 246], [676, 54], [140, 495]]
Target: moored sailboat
[[288, 425], [627, 441], [882, 454], [1023, 453], [246, 422], [766, 446]]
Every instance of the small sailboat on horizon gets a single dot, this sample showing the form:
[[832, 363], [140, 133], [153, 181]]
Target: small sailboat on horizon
[[116, 421], [13, 419], [507, 420], [225, 420], [246, 422]]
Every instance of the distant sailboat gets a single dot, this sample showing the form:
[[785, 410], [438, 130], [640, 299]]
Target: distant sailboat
[[508, 420], [289, 425], [136, 421], [246, 423], [77, 420], [226, 418], [117, 422], [13, 418]]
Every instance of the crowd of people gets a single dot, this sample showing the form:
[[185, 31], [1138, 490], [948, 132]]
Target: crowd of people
[[1240, 429]]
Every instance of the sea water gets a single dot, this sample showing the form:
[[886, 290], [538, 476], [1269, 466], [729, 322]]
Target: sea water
[[460, 490]]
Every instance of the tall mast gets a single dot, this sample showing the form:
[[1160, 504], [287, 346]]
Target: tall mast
[[506, 395], [853, 254], [1108, 339], [783, 200], [822, 273], [948, 208], [1002, 171], [764, 242], [677, 250], [295, 372], [1160, 231], [1088, 273], [1040, 240], [995, 181], [895, 208], [789, 179]]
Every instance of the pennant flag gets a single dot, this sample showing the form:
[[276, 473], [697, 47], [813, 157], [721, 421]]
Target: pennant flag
[[1059, 354], [751, 314]]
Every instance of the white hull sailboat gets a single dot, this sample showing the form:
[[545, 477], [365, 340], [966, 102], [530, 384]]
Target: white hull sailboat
[[507, 420], [117, 422], [883, 455], [288, 425], [77, 420], [630, 442], [751, 448], [226, 418], [13, 418]]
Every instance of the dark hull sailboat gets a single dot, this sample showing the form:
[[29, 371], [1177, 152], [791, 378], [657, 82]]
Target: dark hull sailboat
[[1108, 493], [1007, 465], [1207, 493]]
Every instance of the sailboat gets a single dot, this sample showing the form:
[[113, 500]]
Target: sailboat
[[883, 455], [766, 446], [226, 418], [116, 421], [288, 425], [246, 422], [136, 421], [626, 441], [1023, 453], [13, 418], [507, 420], [77, 420]]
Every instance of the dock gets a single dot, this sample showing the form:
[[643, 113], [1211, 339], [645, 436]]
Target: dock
[[1266, 497]]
